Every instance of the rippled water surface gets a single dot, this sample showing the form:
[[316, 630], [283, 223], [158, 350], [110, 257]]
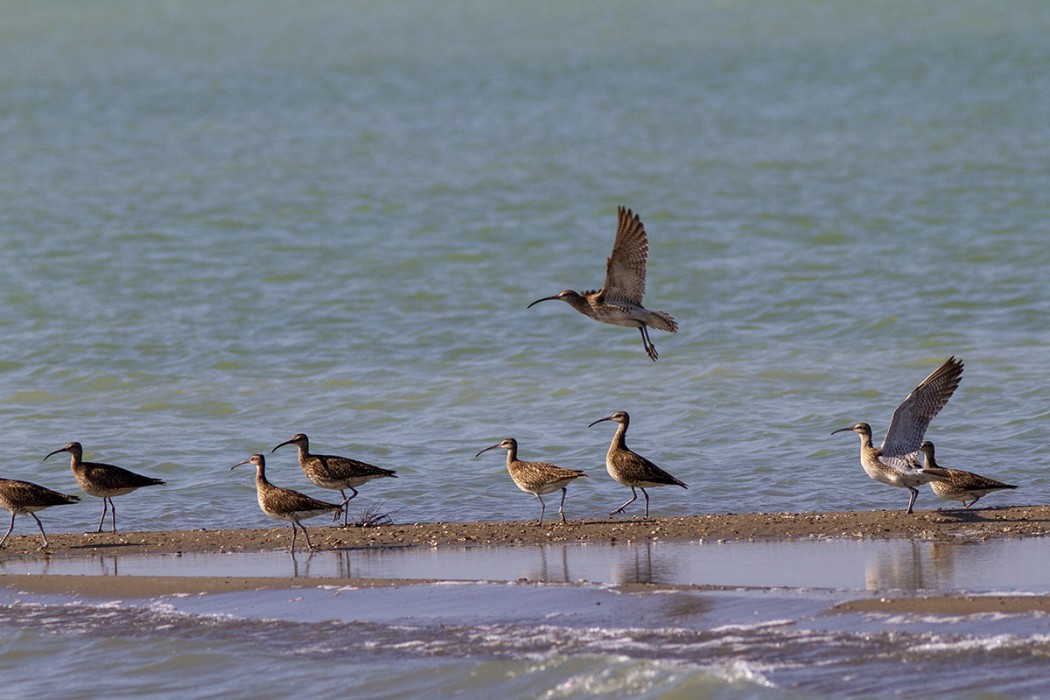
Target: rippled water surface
[[226, 223]]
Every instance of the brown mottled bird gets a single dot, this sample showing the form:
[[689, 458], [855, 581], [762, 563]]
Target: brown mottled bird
[[536, 477], [632, 469], [24, 498], [958, 485], [103, 481], [619, 301], [333, 472], [286, 504], [896, 462]]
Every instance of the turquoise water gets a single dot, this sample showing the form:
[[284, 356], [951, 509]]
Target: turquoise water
[[226, 223]]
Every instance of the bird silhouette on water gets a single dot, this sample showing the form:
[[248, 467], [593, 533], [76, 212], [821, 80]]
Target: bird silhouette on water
[[619, 301]]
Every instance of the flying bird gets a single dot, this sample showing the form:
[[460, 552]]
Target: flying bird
[[619, 301]]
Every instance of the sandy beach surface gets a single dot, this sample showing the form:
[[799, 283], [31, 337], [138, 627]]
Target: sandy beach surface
[[959, 524], [953, 525]]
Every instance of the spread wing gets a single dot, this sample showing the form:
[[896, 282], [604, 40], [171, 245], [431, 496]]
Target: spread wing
[[913, 416], [625, 269]]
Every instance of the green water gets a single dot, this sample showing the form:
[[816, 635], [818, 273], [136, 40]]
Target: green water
[[226, 223]]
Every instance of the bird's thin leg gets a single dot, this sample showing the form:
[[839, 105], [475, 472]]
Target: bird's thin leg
[[113, 513], [634, 497], [309, 544], [105, 506], [646, 494], [561, 507], [967, 505], [543, 507], [346, 511], [650, 349], [9, 529], [39, 525], [295, 533], [914, 495]]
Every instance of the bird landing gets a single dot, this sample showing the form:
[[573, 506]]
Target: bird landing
[[619, 301]]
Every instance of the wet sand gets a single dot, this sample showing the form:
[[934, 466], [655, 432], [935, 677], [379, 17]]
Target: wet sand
[[978, 524], [954, 525]]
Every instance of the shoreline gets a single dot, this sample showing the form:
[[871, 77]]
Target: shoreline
[[945, 525], [948, 524]]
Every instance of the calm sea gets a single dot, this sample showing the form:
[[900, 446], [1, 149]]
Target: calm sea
[[225, 223]]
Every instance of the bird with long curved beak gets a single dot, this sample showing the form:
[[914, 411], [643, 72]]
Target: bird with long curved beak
[[104, 481], [619, 301], [896, 461], [536, 477], [286, 504], [630, 468]]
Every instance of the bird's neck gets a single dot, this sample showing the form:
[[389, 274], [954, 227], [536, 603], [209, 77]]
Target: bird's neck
[[578, 302], [512, 455], [866, 448], [260, 477], [619, 440]]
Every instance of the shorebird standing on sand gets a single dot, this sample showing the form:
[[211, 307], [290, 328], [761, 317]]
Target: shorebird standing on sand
[[632, 469], [23, 498], [103, 481], [896, 462], [333, 472], [286, 504], [619, 301], [536, 477], [958, 485]]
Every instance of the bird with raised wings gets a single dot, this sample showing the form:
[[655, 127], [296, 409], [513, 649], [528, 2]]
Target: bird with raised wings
[[619, 301], [896, 462]]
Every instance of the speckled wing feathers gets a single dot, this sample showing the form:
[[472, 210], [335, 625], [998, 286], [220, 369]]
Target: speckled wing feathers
[[541, 477], [625, 269], [913, 416]]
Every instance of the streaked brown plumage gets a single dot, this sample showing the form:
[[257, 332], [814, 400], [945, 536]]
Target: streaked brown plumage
[[619, 301], [630, 468], [24, 498], [334, 472], [536, 477], [896, 462], [103, 481], [958, 485], [286, 504]]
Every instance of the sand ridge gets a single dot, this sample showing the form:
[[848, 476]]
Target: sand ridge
[[957, 524]]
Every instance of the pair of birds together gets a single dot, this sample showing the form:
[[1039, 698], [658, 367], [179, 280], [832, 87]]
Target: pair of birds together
[[107, 481], [624, 465], [896, 461], [103, 481]]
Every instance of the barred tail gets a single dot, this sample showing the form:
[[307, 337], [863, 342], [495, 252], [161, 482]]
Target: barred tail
[[662, 321]]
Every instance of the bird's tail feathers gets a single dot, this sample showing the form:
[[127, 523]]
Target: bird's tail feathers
[[662, 320]]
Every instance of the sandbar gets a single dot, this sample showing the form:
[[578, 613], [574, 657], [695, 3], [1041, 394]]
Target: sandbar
[[948, 524]]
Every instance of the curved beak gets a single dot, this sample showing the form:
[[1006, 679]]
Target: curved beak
[[841, 430], [543, 299], [487, 449], [286, 442], [53, 453], [600, 420], [247, 461]]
